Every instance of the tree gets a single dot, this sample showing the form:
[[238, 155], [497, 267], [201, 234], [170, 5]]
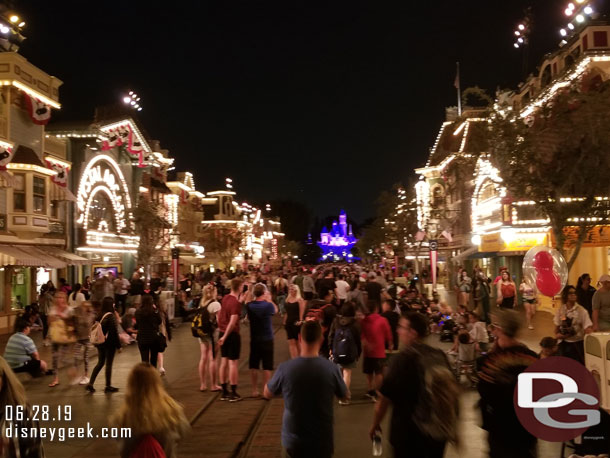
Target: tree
[[153, 230], [558, 158], [291, 248], [224, 242]]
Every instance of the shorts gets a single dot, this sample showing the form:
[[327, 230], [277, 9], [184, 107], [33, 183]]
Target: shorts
[[529, 301], [209, 340], [231, 347], [261, 352], [292, 331], [373, 365], [308, 295], [32, 367]]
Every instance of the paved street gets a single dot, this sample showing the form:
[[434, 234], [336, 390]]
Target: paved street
[[250, 428]]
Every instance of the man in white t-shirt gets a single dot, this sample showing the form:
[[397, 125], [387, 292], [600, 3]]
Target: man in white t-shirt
[[341, 289], [121, 288]]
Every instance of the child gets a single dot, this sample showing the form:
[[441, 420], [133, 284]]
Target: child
[[466, 355], [549, 347], [478, 332]]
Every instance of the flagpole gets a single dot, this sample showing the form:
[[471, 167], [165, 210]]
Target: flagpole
[[459, 91]]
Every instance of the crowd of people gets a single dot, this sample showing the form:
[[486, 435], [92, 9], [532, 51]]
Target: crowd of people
[[336, 318]]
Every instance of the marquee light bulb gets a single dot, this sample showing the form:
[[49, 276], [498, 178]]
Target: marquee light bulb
[[21, 24], [580, 18], [14, 19], [126, 99], [517, 33], [521, 27], [516, 45], [588, 10], [520, 40], [571, 26], [563, 32], [568, 12]]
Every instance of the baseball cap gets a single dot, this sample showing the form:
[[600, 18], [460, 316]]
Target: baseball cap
[[604, 278]]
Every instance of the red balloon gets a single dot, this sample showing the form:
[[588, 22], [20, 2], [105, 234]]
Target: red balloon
[[548, 282], [543, 260]]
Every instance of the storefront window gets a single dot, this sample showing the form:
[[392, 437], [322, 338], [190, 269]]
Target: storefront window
[[39, 195], [19, 192], [20, 288]]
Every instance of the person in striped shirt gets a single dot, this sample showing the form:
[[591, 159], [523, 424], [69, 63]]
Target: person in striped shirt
[[21, 353]]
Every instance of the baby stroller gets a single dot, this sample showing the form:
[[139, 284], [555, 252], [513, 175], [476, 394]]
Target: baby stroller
[[465, 363], [447, 329]]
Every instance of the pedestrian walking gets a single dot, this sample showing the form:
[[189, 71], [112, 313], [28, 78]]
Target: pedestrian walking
[[12, 395], [148, 322], [45, 302], [601, 305], [572, 322], [341, 289], [61, 331], [465, 287], [585, 293], [346, 345], [230, 341], [83, 320], [498, 373], [481, 295], [376, 335], [507, 291], [308, 384], [528, 296], [136, 290], [165, 330], [281, 290], [424, 395], [205, 322], [107, 349], [121, 288], [260, 311], [309, 286], [76, 297], [295, 311], [157, 422]]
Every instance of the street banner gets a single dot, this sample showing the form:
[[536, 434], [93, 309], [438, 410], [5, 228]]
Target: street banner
[[433, 246]]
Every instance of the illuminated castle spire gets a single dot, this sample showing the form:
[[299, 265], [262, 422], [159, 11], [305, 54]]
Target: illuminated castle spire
[[337, 244]]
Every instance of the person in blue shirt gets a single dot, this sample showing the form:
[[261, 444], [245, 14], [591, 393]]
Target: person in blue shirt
[[308, 384], [260, 311]]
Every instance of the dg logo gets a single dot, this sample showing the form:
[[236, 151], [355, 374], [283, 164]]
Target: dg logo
[[557, 399]]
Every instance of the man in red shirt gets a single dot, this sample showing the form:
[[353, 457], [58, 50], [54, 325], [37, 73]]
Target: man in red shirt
[[230, 341], [376, 333]]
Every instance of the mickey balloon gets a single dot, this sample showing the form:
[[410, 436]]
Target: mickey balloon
[[546, 270]]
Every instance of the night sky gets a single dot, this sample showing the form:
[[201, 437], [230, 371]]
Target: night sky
[[326, 102]]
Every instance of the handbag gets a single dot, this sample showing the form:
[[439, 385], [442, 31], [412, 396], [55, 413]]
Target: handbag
[[160, 342], [60, 333]]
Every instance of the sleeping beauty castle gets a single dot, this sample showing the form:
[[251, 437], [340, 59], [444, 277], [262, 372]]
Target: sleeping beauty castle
[[337, 244]]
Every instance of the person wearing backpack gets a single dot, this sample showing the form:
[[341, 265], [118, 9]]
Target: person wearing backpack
[[203, 327], [156, 420], [108, 347], [424, 395], [324, 312], [345, 344]]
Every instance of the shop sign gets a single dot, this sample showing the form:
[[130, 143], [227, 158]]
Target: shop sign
[[491, 242], [599, 236], [518, 242]]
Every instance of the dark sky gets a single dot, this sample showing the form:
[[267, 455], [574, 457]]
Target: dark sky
[[324, 102]]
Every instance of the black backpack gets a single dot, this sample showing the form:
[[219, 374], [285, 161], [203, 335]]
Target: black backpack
[[345, 350], [202, 325]]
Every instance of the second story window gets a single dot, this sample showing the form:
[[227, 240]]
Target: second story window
[[39, 195], [19, 193]]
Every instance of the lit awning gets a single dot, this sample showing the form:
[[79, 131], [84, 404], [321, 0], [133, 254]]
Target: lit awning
[[189, 259], [70, 258], [30, 256]]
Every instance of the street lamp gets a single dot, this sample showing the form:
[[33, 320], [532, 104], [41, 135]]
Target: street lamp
[[133, 100]]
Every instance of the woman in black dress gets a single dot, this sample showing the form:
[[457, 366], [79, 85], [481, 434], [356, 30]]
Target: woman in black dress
[[148, 322], [106, 350], [295, 308]]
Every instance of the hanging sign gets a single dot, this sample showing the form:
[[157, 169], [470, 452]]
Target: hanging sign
[[113, 140], [6, 156], [62, 169], [39, 112]]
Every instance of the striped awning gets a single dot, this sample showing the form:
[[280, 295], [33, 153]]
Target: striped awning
[[29, 256], [69, 258]]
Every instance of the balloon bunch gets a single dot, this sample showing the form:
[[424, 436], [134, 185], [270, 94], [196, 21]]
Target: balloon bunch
[[546, 269]]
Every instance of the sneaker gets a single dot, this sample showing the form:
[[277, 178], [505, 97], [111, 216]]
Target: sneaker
[[372, 394], [234, 397], [110, 389], [343, 402], [84, 380], [225, 397], [90, 388]]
